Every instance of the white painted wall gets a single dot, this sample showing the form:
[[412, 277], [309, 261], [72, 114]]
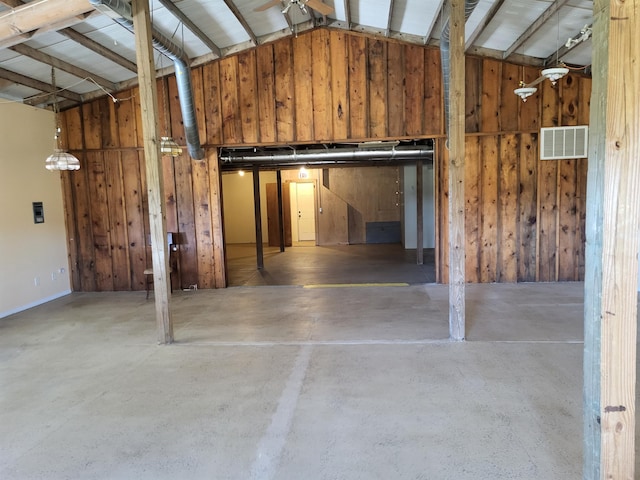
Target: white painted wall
[[29, 251], [237, 196], [410, 211]]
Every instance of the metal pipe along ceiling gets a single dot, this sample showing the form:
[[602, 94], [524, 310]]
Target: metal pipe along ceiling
[[120, 12], [335, 155]]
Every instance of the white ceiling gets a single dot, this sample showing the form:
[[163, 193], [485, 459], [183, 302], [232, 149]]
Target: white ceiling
[[495, 27]]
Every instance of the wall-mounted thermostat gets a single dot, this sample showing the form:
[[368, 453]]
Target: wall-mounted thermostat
[[38, 212]]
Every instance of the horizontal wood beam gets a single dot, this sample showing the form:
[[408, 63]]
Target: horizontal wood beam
[[37, 15], [95, 47], [62, 65], [533, 28], [37, 84]]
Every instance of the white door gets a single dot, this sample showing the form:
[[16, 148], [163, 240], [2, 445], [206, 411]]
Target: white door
[[305, 202]]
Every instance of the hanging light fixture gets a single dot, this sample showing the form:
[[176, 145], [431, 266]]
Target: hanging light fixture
[[556, 73], [168, 145], [524, 92], [59, 159]]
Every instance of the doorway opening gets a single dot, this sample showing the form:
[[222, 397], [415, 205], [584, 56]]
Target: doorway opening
[[327, 223]]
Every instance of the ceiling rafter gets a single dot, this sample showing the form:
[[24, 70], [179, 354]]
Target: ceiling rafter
[[39, 16], [98, 48], [37, 84], [11, 3], [179, 14], [563, 50], [486, 20], [347, 14], [232, 6], [533, 28], [390, 16], [62, 65], [434, 21]]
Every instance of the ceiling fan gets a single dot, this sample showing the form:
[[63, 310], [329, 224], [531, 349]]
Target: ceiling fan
[[317, 5]]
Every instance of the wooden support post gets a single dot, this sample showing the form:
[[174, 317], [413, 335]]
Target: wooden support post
[[153, 167], [280, 209], [612, 225], [456, 173], [420, 214], [258, 216]]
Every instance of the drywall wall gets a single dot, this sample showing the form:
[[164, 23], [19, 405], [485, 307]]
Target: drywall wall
[[34, 266], [237, 194], [410, 210]]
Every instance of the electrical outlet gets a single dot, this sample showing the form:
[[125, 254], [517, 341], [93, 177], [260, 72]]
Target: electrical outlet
[[36, 281], [54, 276]]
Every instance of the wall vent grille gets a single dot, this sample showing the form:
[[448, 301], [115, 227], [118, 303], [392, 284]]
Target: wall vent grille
[[559, 143]]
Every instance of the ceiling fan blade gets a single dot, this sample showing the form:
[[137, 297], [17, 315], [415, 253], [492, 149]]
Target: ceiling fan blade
[[319, 7], [267, 5]]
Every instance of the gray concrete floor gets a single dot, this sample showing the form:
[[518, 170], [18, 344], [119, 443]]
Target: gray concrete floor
[[285, 382], [306, 263]]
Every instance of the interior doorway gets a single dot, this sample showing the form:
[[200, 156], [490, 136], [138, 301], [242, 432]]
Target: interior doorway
[[303, 207]]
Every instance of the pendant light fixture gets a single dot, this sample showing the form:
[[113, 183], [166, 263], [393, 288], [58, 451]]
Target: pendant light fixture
[[168, 145], [60, 159], [556, 73]]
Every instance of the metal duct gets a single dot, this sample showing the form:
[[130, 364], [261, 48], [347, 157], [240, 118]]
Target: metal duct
[[469, 6], [335, 155], [120, 12]]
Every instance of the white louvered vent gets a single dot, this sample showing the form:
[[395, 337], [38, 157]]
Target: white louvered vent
[[563, 142]]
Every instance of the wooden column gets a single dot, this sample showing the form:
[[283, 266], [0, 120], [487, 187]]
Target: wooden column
[[153, 167], [280, 210], [258, 217], [456, 173], [612, 226], [420, 214]]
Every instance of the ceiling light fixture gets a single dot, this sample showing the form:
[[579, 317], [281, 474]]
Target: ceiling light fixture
[[524, 92], [168, 145], [59, 159], [555, 73]]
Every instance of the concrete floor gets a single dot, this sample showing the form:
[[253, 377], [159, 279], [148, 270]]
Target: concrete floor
[[306, 263], [285, 382]]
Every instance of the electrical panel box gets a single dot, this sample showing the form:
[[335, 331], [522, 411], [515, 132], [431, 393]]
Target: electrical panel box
[[38, 212]]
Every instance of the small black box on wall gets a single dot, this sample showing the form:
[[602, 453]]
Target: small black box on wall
[[38, 212]]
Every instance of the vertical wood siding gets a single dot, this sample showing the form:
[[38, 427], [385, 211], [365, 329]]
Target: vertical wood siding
[[524, 218]]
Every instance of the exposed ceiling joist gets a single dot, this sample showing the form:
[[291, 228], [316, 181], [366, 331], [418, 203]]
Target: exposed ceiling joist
[[176, 12], [347, 13], [37, 84], [231, 6], [486, 20], [99, 49], [288, 19], [533, 28], [62, 65], [43, 14], [389, 17], [434, 20]]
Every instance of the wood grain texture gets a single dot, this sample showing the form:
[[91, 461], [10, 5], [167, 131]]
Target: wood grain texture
[[248, 97], [339, 85], [358, 97], [303, 88], [395, 89], [321, 83], [285, 91], [231, 117], [527, 207], [414, 90], [489, 215], [377, 87], [473, 204], [266, 93], [508, 209], [211, 97]]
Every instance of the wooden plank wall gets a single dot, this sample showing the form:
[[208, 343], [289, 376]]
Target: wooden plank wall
[[524, 217], [328, 86]]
